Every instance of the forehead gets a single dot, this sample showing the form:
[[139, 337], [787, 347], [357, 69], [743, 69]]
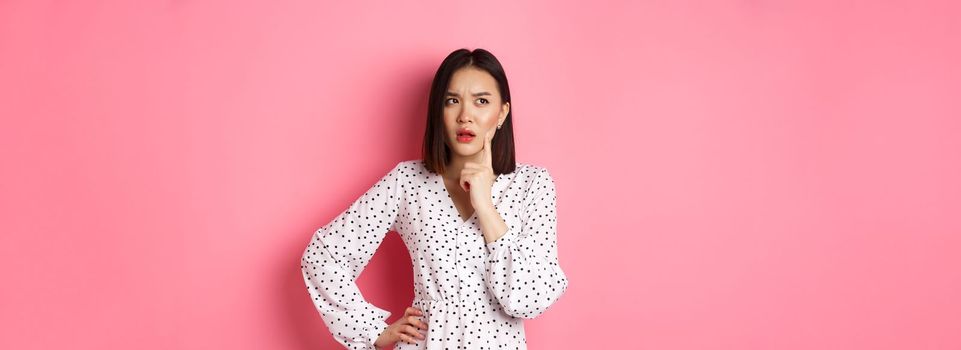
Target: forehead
[[472, 80]]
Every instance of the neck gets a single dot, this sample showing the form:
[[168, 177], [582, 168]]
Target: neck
[[456, 164]]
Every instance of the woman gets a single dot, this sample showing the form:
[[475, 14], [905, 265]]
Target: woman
[[480, 229]]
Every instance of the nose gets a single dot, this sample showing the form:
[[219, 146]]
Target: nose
[[464, 115]]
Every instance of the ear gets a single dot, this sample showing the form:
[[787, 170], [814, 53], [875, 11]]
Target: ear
[[505, 109]]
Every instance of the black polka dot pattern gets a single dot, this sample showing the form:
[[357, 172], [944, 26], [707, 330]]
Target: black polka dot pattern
[[474, 295]]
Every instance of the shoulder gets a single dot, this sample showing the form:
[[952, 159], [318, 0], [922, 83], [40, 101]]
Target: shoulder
[[409, 166], [533, 171], [409, 169], [537, 177]]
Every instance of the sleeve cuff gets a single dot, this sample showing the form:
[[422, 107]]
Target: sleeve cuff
[[379, 326], [502, 243], [375, 333]]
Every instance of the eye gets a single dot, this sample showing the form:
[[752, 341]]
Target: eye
[[448, 101], [482, 101]]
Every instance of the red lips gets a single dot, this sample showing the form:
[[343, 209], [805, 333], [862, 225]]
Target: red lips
[[465, 131]]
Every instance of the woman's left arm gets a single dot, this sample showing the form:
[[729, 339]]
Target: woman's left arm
[[523, 271]]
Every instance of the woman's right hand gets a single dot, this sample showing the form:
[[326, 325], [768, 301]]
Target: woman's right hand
[[404, 329]]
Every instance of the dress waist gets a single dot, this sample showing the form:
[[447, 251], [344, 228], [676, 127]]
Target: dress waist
[[448, 300]]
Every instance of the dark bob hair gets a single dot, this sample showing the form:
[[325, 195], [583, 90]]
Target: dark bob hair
[[436, 153]]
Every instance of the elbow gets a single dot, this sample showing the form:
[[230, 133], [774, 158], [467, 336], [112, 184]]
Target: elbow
[[531, 306], [523, 310], [526, 311], [523, 315]]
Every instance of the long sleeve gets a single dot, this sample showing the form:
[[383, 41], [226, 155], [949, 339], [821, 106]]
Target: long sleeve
[[339, 251], [523, 271]]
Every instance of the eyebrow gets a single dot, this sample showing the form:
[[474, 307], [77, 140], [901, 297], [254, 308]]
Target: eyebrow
[[482, 93]]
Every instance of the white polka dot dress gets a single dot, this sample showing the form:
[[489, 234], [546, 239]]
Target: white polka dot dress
[[474, 295]]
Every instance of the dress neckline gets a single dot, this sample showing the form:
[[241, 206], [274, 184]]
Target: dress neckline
[[451, 207]]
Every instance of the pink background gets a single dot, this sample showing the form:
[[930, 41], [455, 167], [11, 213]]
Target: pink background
[[731, 174]]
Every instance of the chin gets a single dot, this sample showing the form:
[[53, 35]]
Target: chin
[[464, 150]]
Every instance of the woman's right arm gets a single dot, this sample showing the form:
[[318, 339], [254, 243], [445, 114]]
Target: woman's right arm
[[339, 251]]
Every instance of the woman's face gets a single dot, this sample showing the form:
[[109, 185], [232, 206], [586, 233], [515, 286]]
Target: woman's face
[[472, 105]]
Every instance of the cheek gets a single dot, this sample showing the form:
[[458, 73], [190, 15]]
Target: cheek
[[449, 121], [490, 119]]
